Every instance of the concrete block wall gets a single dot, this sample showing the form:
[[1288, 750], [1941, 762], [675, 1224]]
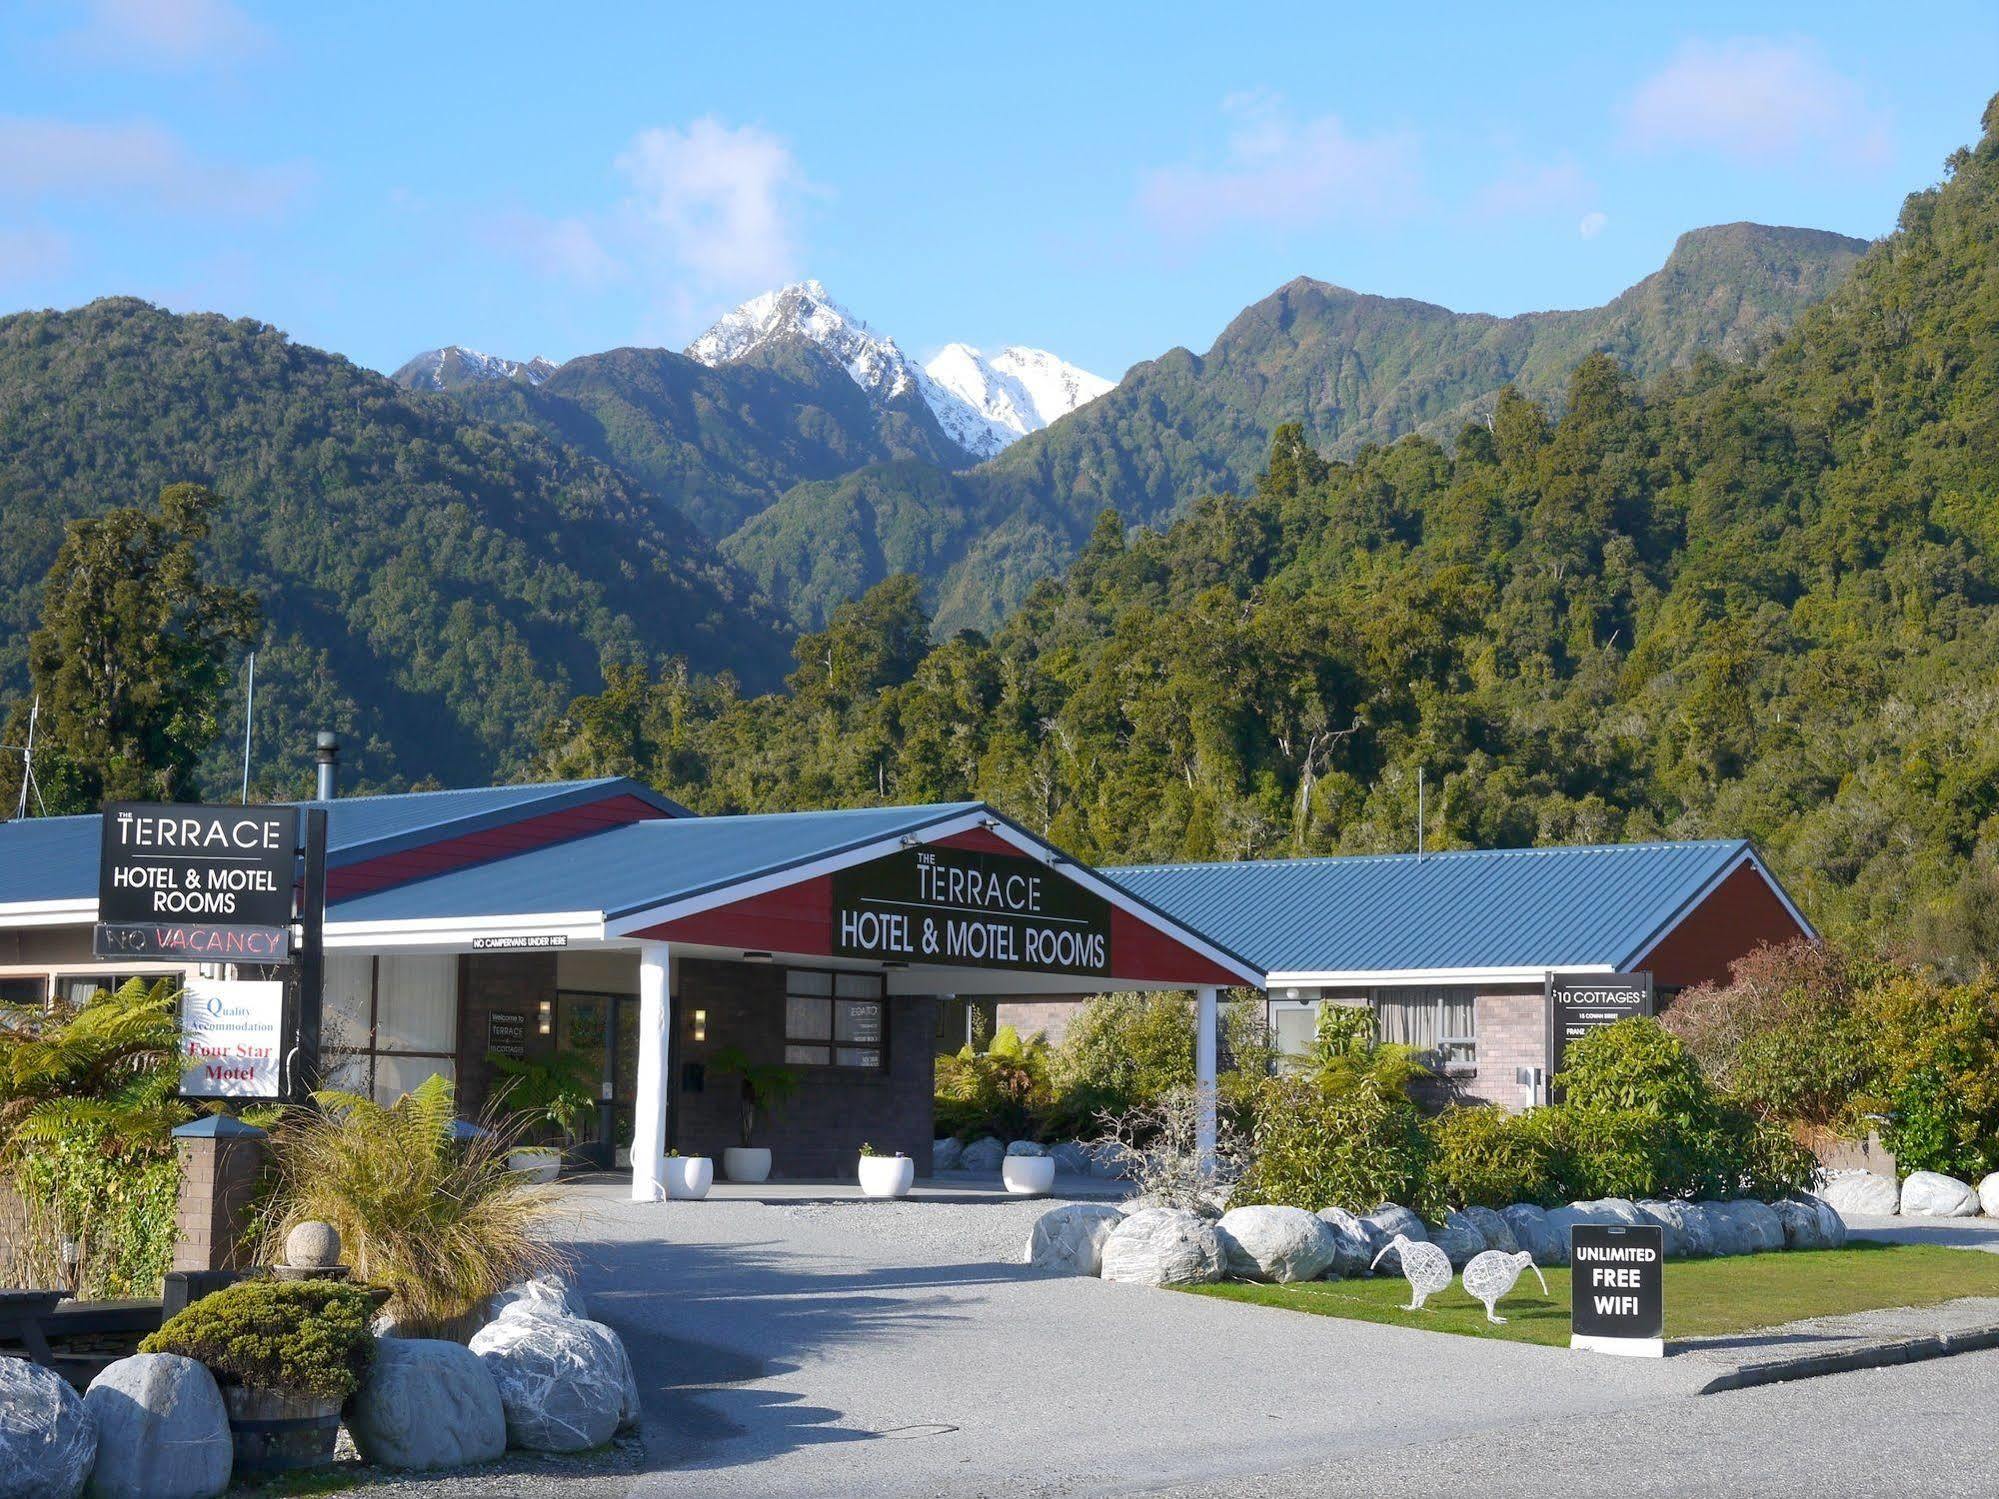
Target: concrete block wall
[[819, 1130], [218, 1194], [517, 983]]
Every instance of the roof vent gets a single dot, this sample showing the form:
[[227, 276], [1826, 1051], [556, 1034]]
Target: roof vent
[[327, 753]]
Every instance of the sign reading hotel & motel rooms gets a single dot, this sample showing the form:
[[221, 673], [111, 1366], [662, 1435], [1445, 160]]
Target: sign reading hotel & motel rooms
[[956, 908], [197, 884]]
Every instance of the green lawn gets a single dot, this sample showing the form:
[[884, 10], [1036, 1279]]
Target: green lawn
[[1703, 1297]]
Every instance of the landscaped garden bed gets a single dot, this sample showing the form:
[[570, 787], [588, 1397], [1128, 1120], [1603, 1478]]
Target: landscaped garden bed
[[1704, 1298]]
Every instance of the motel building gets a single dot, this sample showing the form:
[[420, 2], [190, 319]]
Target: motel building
[[602, 920]]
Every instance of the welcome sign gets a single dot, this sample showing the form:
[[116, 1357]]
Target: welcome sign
[[959, 908], [199, 884]]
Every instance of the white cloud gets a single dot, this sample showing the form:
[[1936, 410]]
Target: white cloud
[[29, 252], [1593, 224], [1525, 189], [1280, 170], [570, 249], [715, 203], [45, 160], [1755, 99], [166, 34]]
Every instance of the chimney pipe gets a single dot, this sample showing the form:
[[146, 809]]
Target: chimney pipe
[[327, 753]]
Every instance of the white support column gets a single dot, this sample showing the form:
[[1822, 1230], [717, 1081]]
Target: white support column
[[1206, 1025], [649, 1127]]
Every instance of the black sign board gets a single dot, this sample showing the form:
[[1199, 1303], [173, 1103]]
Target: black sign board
[[960, 908], [507, 1034], [1579, 1003], [196, 884], [1617, 1288]]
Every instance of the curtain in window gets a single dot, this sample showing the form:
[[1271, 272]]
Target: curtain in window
[[350, 980], [1406, 1017], [416, 1004]]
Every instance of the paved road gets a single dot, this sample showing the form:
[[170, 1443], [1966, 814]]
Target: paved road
[[895, 1349]]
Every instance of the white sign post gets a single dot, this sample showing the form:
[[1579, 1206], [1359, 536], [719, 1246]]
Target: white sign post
[[232, 1038]]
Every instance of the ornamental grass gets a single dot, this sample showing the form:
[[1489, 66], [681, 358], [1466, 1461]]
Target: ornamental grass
[[441, 1223]]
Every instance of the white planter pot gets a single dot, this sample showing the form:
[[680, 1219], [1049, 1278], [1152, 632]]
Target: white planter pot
[[1028, 1175], [887, 1175], [622, 1160], [688, 1177], [746, 1163], [535, 1164]]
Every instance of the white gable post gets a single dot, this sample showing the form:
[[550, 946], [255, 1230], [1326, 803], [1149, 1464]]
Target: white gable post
[[1206, 1021], [649, 1128]]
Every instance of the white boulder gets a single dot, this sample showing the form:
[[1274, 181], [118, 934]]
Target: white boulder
[[1350, 1251], [48, 1437], [1862, 1194], [1808, 1223], [1988, 1195], [1164, 1247], [1278, 1244], [946, 1153], [1382, 1225], [1671, 1217], [162, 1430], [561, 1385], [1533, 1233], [1032, 1148], [1071, 1159], [1931, 1194], [1069, 1240], [1762, 1228], [1110, 1161], [983, 1155], [427, 1403], [550, 1291], [1495, 1230], [1459, 1238]]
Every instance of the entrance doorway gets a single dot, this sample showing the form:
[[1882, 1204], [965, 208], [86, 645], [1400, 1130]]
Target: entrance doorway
[[602, 1031]]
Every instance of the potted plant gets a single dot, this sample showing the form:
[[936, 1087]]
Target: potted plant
[[765, 1085], [885, 1175], [688, 1177], [286, 1355], [1028, 1175], [546, 1097]]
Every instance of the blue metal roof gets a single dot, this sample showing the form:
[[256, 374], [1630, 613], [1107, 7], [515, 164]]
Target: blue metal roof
[[55, 858], [1483, 909], [642, 865]]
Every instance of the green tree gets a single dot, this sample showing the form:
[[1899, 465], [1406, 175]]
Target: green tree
[[132, 656]]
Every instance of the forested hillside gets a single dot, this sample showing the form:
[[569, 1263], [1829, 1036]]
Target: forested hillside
[[434, 587], [1731, 600], [720, 444], [1352, 368]]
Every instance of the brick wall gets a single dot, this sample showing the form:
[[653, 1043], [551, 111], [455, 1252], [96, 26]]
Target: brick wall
[[489, 983], [819, 1130], [1512, 1030]]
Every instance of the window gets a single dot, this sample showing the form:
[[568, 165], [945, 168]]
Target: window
[[834, 1019], [33, 990], [389, 1023], [1436, 1021]]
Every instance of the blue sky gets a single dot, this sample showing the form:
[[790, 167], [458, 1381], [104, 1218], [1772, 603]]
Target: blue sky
[[1104, 181]]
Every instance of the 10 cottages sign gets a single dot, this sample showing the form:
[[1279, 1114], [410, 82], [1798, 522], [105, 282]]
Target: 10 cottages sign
[[957, 908]]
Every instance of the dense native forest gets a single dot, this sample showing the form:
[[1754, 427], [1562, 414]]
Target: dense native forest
[[1733, 600], [433, 586]]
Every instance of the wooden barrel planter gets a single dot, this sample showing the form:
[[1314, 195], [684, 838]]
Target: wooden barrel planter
[[277, 1433]]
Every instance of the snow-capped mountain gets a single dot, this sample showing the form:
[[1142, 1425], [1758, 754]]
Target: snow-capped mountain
[[455, 365], [982, 402]]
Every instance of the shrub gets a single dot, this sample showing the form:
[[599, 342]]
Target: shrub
[[1162, 1155], [1635, 1064], [1938, 1084], [87, 1110], [1317, 1147], [555, 1095], [1125, 1050], [306, 1338], [1002, 1090], [1485, 1157], [442, 1225]]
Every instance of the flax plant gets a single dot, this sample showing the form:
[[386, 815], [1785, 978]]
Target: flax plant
[[442, 1223]]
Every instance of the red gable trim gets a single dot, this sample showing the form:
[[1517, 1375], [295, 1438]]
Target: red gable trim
[[489, 843], [798, 918], [1738, 916]]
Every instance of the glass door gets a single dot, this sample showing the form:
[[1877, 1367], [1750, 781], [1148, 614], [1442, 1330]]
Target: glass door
[[583, 1029]]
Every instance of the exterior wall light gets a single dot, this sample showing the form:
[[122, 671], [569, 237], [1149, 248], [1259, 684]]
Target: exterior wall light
[[756, 957], [545, 1016], [910, 840]]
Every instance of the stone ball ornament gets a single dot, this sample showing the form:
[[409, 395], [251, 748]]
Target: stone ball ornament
[[313, 1245], [1426, 1267], [1492, 1274]]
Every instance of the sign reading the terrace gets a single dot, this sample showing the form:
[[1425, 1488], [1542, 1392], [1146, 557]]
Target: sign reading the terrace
[[202, 884], [1617, 1289], [1579, 1003], [958, 908]]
